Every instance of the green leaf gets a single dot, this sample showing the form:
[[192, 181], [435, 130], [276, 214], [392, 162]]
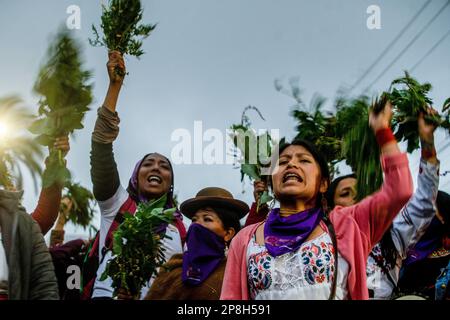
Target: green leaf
[[45, 140], [39, 126], [446, 105], [139, 256], [122, 31], [263, 199], [250, 170]]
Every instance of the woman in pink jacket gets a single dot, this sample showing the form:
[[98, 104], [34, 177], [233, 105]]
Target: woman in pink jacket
[[300, 253]]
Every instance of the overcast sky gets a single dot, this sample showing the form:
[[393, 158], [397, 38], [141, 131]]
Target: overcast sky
[[208, 59]]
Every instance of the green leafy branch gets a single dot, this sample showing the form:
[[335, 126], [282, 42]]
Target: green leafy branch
[[359, 146], [255, 151], [65, 96], [137, 247], [122, 31], [82, 205], [410, 98]]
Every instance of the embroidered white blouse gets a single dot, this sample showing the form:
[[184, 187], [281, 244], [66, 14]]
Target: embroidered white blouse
[[305, 274]]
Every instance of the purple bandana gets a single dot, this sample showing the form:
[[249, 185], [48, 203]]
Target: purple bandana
[[287, 234], [205, 251]]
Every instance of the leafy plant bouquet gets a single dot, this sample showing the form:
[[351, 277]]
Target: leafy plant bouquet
[[359, 146], [120, 22], [81, 210], [255, 151], [137, 247], [409, 99], [65, 96]]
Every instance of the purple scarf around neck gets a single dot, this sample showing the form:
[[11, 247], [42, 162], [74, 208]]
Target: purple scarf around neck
[[205, 251], [287, 234]]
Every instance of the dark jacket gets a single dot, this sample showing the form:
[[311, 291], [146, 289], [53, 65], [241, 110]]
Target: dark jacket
[[169, 286], [31, 271]]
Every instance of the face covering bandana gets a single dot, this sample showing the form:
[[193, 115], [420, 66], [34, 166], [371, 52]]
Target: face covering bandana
[[205, 251], [287, 234]]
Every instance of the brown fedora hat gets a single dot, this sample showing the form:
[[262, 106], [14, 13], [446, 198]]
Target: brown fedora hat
[[213, 196]]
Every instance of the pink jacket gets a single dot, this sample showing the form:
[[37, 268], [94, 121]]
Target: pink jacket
[[358, 228]]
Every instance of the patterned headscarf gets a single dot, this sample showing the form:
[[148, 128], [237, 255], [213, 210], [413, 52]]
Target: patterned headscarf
[[133, 191], [133, 184]]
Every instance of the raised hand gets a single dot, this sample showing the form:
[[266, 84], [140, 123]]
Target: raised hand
[[381, 120], [116, 72], [426, 134], [381, 126], [116, 67], [258, 188]]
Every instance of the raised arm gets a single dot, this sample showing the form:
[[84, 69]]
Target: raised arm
[[47, 208], [255, 215], [415, 217], [375, 213], [104, 174]]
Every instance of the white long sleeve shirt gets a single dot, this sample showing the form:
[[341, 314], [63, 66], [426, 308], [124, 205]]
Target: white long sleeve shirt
[[407, 228]]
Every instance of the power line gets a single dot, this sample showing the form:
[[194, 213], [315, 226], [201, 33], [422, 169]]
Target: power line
[[390, 45], [409, 45], [431, 50]]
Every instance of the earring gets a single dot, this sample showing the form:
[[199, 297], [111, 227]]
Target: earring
[[225, 252]]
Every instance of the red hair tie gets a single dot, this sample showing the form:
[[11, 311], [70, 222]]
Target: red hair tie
[[384, 136]]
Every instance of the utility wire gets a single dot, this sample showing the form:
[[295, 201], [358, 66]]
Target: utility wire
[[431, 50], [390, 45], [409, 45]]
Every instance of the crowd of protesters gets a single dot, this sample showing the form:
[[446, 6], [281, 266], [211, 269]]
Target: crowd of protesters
[[314, 242]]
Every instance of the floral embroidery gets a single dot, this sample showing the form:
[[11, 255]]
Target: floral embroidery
[[318, 262], [312, 264], [259, 276]]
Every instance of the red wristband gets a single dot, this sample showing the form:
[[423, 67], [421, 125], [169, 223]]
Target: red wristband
[[384, 136]]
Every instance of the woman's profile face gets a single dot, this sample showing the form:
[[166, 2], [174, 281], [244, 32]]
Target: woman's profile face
[[155, 176], [297, 175], [345, 193]]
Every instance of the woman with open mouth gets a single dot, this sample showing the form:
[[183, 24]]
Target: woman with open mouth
[[152, 178], [300, 251]]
